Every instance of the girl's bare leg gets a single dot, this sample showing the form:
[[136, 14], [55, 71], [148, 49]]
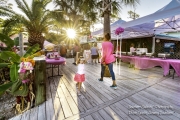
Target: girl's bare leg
[[79, 87], [82, 86], [77, 84]]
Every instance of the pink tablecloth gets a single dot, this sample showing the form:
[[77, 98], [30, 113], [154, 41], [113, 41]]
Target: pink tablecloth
[[56, 62], [176, 65], [130, 59], [53, 62], [146, 63]]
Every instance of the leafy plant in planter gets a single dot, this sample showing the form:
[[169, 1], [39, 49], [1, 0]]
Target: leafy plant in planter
[[18, 84]]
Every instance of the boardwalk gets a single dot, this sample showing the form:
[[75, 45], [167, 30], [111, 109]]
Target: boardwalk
[[141, 95]]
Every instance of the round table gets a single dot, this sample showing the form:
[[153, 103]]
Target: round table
[[55, 63]]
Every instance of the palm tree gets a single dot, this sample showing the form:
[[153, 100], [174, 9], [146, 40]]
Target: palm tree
[[89, 10], [113, 6], [79, 14], [35, 20]]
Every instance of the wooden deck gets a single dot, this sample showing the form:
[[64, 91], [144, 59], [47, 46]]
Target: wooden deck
[[141, 95]]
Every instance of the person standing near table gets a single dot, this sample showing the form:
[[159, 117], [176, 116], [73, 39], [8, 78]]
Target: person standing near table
[[108, 59], [76, 49], [63, 50], [132, 49], [94, 53]]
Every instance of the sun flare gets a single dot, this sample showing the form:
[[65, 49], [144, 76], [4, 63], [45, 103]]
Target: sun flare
[[71, 33]]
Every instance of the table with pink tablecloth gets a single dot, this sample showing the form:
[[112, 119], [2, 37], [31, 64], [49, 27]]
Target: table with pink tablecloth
[[130, 59], [176, 65], [54, 63], [146, 63]]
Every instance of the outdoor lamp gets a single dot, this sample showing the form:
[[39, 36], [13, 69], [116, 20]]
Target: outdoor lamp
[[158, 40]]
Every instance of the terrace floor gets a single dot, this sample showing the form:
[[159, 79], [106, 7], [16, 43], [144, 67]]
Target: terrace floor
[[141, 95]]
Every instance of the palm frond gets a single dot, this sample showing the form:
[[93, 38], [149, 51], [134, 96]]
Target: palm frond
[[11, 24], [116, 7], [8, 41], [4, 11], [23, 6]]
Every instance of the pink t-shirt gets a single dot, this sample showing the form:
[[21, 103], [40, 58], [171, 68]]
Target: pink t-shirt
[[107, 52]]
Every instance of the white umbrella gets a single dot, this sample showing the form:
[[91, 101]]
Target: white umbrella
[[48, 46]]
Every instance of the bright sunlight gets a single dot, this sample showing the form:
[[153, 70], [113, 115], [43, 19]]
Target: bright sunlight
[[71, 33]]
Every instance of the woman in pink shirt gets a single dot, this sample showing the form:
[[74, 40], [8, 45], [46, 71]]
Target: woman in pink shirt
[[107, 59]]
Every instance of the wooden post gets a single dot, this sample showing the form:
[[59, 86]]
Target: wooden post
[[21, 44], [40, 82]]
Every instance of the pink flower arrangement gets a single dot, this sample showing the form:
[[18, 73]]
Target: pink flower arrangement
[[119, 30]]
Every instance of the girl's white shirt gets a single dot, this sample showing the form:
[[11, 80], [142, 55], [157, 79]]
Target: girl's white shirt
[[80, 69]]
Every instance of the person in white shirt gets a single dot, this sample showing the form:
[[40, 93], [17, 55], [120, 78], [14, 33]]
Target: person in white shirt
[[132, 49], [94, 53], [80, 76]]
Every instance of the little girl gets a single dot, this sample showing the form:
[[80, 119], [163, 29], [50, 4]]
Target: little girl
[[80, 77]]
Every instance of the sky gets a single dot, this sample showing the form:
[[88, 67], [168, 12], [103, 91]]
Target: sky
[[145, 7]]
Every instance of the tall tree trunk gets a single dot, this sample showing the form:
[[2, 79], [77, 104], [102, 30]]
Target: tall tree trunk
[[107, 13], [107, 28]]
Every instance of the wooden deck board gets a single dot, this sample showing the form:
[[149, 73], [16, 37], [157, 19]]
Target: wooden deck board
[[143, 103], [151, 104], [93, 81], [77, 100], [127, 110], [41, 112], [34, 113], [135, 103], [104, 114], [100, 102], [97, 116], [88, 101], [97, 94], [64, 102], [18, 117], [161, 101], [59, 114], [120, 110], [161, 94], [25, 115], [89, 117], [49, 102], [69, 99]]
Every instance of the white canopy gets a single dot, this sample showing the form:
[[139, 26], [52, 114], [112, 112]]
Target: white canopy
[[99, 33], [164, 20], [48, 46], [171, 9]]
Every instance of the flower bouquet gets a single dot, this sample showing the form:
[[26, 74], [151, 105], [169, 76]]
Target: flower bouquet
[[119, 30]]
